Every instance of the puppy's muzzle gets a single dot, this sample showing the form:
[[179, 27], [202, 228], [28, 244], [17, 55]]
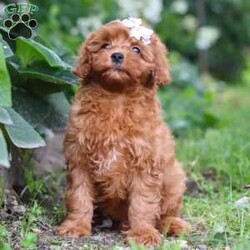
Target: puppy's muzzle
[[117, 57]]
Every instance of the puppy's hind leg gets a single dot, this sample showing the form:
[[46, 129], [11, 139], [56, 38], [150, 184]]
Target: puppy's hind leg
[[144, 209], [79, 202], [173, 189]]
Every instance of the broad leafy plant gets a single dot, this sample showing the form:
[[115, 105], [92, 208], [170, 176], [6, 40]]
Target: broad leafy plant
[[35, 83]]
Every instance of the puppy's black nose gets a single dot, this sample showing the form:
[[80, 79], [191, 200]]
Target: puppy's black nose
[[117, 57]]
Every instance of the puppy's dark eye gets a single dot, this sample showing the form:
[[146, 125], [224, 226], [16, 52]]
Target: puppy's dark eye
[[136, 49], [106, 46]]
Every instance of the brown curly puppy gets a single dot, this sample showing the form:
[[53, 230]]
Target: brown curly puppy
[[119, 152]]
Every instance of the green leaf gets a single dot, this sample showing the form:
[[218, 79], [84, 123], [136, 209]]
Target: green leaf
[[21, 133], [30, 50], [59, 111], [43, 80], [50, 111], [30, 106], [7, 50], [15, 76], [5, 86], [56, 76], [4, 116], [4, 156], [4, 32]]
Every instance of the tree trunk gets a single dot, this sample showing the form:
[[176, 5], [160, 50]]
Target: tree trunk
[[202, 54]]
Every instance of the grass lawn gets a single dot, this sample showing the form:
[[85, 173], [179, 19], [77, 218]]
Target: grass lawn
[[217, 162], [218, 165]]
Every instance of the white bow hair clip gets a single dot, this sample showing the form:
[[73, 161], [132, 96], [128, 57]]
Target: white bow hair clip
[[137, 30]]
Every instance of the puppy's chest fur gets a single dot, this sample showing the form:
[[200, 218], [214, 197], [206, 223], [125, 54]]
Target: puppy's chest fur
[[116, 134]]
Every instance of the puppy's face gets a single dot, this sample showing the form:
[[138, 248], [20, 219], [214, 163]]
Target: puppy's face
[[111, 57]]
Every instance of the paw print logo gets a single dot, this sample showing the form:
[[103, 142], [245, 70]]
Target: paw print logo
[[20, 26]]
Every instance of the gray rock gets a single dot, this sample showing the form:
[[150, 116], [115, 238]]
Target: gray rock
[[201, 247]]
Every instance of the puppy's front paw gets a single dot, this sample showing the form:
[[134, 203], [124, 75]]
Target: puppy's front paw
[[175, 226], [73, 228], [144, 236]]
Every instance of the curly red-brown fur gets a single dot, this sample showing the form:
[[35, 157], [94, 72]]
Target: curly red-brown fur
[[119, 152]]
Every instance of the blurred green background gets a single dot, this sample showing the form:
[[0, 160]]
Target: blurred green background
[[219, 28], [208, 44], [207, 40]]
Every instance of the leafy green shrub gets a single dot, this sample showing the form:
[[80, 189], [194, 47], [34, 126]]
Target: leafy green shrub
[[227, 57], [186, 103], [32, 92]]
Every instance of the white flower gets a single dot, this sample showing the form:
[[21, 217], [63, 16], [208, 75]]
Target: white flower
[[150, 9], [131, 22], [206, 37], [141, 33], [189, 22], [179, 6], [137, 30]]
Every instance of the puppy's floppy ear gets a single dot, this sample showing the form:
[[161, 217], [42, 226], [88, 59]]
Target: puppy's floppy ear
[[83, 62], [161, 73]]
